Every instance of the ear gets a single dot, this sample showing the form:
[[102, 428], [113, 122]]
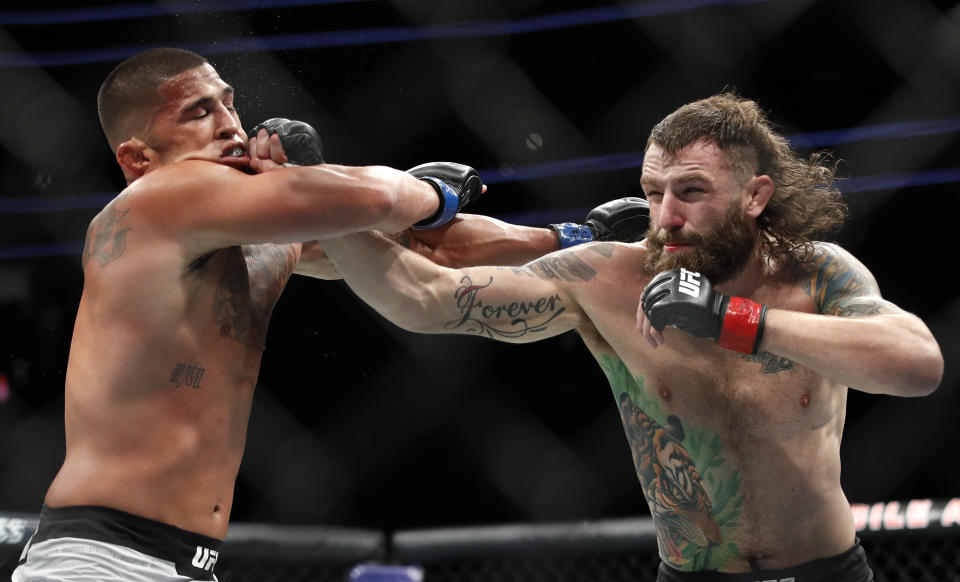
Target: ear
[[134, 157], [759, 190]]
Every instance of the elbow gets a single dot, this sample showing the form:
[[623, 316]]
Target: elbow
[[930, 374], [925, 372], [422, 309]]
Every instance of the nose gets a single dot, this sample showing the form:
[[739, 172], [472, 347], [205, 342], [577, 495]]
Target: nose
[[670, 215], [228, 124]]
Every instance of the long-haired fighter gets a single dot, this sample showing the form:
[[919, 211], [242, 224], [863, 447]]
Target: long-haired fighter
[[731, 377]]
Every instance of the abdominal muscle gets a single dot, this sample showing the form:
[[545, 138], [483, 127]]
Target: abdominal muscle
[[740, 469], [165, 452]]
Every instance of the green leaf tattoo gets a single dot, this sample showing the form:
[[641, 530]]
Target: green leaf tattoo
[[694, 499]]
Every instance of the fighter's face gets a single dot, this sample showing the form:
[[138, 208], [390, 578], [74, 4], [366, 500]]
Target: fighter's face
[[697, 218], [196, 119]]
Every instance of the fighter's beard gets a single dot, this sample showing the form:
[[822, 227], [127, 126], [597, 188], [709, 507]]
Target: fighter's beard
[[719, 254]]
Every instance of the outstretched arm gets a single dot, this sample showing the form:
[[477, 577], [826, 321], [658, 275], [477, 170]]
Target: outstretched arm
[[468, 240], [471, 240], [513, 304], [860, 339]]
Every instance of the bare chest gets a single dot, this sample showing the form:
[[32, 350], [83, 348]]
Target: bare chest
[[233, 291], [729, 393]]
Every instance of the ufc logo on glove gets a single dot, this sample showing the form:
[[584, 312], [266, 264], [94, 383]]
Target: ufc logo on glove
[[689, 283]]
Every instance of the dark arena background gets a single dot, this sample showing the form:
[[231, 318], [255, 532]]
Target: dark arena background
[[470, 459]]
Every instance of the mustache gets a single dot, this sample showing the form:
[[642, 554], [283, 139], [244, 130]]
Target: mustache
[[661, 237]]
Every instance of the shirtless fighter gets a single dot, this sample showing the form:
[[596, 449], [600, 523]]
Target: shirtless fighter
[[181, 273], [731, 377]]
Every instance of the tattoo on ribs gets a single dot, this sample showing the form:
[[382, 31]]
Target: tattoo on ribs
[[187, 374], [106, 241], [232, 305], [695, 497], [473, 312]]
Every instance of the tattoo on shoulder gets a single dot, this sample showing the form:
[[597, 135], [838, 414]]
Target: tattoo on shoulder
[[769, 363], [842, 286], [480, 318], [187, 374], [106, 239], [604, 249], [566, 266]]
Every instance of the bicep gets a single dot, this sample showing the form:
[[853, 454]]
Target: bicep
[[217, 206]]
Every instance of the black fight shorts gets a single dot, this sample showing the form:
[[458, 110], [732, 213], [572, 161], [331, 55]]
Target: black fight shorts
[[850, 566], [100, 543]]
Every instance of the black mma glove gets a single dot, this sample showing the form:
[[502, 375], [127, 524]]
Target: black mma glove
[[686, 300], [456, 184], [300, 141], [623, 220]]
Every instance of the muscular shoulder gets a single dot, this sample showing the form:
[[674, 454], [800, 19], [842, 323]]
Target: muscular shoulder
[[179, 182], [840, 284]]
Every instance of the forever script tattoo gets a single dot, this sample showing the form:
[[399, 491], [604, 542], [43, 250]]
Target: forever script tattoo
[[527, 314], [475, 314], [106, 239]]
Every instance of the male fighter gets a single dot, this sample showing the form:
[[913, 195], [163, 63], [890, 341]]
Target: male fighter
[[181, 273], [731, 377]]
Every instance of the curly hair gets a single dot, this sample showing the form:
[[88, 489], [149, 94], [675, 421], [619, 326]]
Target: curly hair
[[805, 203]]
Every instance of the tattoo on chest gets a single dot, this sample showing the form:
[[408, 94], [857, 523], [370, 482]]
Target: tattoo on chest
[[526, 316], [769, 363], [187, 374], [106, 239]]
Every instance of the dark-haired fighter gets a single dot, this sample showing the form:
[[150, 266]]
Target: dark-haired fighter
[[181, 273], [732, 378]]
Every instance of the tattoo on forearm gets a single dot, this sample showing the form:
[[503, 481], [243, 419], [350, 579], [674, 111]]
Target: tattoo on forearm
[[567, 266], [473, 311], [187, 374], [106, 241]]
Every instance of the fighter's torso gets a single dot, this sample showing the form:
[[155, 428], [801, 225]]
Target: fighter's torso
[[735, 453], [164, 360]]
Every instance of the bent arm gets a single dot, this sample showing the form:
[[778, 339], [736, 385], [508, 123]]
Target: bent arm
[[213, 206], [511, 304], [858, 339]]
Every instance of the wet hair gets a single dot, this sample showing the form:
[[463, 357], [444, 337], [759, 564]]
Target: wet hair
[[805, 203], [132, 85]]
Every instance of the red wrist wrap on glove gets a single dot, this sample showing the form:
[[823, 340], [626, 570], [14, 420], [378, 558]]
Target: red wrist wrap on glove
[[742, 325]]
